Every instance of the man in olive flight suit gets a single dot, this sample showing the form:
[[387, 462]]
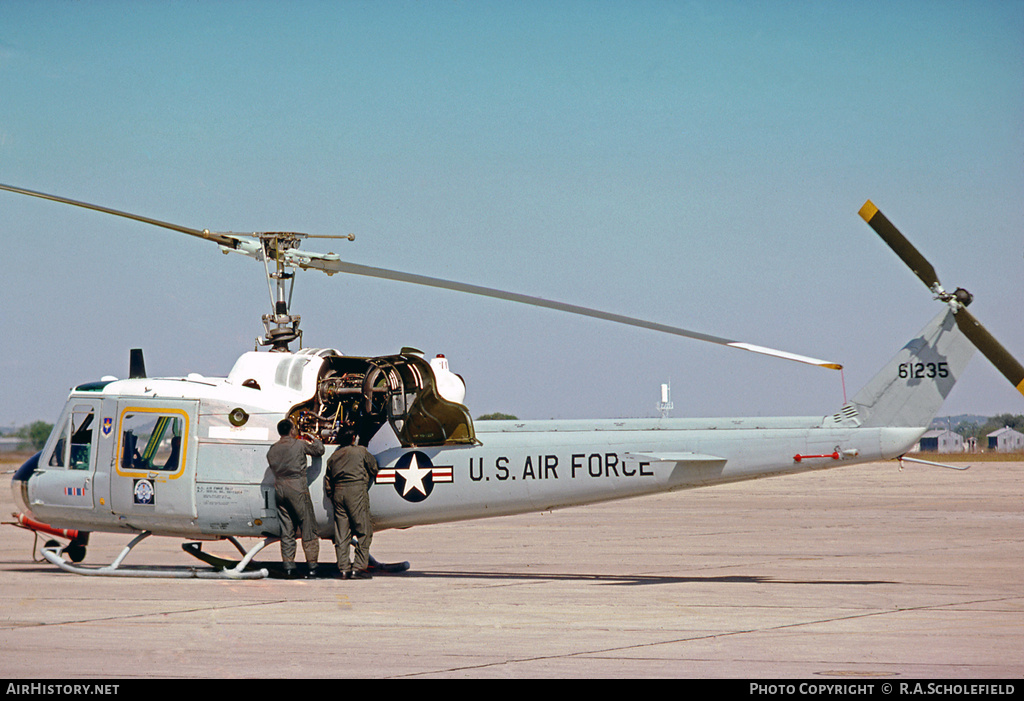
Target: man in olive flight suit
[[347, 479], [287, 459]]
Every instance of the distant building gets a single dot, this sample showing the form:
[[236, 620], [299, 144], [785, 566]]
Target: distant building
[[943, 441], [1006, 440], [9, 444]]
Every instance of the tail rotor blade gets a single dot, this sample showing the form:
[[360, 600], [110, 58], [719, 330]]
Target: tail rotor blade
[[958, 300], [898, 243], [991, 348]]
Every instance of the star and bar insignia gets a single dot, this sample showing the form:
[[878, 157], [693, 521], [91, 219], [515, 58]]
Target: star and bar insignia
[[414, 476]]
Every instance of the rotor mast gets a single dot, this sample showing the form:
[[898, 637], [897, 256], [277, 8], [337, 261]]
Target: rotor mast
[[281, 326]]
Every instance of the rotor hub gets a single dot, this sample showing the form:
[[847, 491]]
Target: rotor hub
[[963, 296]]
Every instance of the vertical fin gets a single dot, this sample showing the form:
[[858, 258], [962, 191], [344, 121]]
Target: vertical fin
[[910, 390]]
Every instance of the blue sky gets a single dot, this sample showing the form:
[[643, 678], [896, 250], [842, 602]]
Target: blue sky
[[699, 164]]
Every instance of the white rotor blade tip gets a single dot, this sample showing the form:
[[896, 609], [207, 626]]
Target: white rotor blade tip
[[788, 356]]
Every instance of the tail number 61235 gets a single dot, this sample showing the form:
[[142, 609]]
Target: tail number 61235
[[921, 371]]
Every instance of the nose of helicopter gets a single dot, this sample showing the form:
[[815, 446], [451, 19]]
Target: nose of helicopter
[[19, 483]]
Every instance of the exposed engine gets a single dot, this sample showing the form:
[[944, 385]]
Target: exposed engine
[[421, 400]]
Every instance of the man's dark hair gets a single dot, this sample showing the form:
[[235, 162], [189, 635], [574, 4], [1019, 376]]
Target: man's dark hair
[[346, 437], [284, 427]]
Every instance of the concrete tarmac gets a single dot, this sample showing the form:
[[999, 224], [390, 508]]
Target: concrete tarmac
[[861, 573]]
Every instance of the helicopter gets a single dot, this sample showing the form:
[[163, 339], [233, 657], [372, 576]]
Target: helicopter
[[185, 457]]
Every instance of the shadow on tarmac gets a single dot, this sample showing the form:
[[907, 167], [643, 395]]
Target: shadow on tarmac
[[628, 580]]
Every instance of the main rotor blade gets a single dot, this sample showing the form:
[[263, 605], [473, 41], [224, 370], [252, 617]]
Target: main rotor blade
[[221, 239], [337, 266], [898, 243], [991, 348], [330, 264]]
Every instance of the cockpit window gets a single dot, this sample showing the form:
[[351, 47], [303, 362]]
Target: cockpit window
[[74, 446], [81, 439], [151, 441], [57, 457]]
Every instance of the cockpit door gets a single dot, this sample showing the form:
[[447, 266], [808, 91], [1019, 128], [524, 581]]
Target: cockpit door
[[153, 478], [67, 468]]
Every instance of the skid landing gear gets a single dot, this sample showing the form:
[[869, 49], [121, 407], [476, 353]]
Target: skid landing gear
[[387, 567], [53, 554], [222, 568], [276, 569]]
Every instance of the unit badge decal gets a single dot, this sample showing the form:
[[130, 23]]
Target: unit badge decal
[[144, 492], [414, 476], [108, 426]]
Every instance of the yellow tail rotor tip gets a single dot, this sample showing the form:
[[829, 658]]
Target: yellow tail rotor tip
[[868, 210]]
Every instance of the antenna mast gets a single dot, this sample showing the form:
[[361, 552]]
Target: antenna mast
[[665, 405]]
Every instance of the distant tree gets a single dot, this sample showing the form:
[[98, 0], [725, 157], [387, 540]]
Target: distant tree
[[34, 435], [497, 416], [968, 429], [1014, 421], [973, 429]]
